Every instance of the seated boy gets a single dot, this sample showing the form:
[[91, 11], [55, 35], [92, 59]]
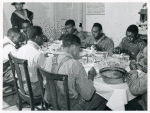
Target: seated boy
[[25, 25], [10, 45]]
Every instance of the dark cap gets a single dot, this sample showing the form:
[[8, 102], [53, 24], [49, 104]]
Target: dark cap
[[17, 2]]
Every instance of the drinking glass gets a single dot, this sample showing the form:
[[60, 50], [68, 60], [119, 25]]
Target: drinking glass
[[84, 60]]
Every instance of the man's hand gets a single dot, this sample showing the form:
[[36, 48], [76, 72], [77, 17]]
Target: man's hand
[[142, 66], [133, 65], [46, 54], [133, 74], [94, 47], [92, 73], [117, 50]]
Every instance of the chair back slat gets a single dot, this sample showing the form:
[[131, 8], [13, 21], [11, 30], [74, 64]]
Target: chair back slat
[[21, 66], [40, 79], [18, 71], [66, 92], [56, 91], [13, 72]]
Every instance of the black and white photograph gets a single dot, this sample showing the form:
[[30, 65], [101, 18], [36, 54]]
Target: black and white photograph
[[74, 55]]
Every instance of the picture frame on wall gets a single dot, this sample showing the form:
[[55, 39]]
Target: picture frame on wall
[[95, 8]]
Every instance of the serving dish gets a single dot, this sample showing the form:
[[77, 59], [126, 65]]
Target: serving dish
[[113, 75]]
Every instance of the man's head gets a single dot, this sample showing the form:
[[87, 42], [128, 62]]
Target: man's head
[[14, 35], [96, 30], [35, 34], [25, 24], [71, 44], [69, 25], [18, 5], [132, 32]]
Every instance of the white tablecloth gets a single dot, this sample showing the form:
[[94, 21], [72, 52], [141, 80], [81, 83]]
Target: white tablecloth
[[117, 95]]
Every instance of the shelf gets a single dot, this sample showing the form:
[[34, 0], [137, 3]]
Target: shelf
[[143, 13], [143, 32]]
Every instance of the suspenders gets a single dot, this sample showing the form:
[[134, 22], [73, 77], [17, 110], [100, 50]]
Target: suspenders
[[55, 65]]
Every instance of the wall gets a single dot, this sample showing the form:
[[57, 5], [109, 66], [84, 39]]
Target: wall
[[43, 16], [50, 16], [62, 13], [118, 16]]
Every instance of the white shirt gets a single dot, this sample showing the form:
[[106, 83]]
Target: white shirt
[[9, 48], [31, 52]]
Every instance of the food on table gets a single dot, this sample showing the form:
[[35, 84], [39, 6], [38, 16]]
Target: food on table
[[118, 61]]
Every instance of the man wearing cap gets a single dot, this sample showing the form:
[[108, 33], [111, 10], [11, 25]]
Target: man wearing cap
[[20, 14]]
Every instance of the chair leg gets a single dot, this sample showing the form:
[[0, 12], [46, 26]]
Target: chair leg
[[42, 106], [20, 103], [32, 106]]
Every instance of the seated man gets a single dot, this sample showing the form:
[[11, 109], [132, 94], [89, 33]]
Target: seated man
[[138, 87], [101, 42], [137, 82], [141, 61], [31, 52], [132, 44], [81, 90], [70, 29], [10, 45]]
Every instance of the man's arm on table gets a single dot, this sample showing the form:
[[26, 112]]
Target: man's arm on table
[[118, 49], [137, 85]]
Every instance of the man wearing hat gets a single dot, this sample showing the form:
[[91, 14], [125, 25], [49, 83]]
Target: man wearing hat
[[20, 14]]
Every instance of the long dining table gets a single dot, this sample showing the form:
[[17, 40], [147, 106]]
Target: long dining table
[[118, 95]]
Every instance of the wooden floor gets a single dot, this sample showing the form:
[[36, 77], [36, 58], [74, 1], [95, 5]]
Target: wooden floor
[[9, 104]]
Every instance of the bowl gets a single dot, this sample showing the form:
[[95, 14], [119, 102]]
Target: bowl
[[113, 75]]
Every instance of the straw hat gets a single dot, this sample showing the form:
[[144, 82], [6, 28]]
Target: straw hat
[[17, 2]]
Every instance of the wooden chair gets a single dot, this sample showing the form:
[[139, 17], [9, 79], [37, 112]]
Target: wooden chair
[[8, 81], [16, 67], [11, 85], [54, 90]]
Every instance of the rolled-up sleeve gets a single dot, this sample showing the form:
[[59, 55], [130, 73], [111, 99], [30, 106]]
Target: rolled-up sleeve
[[137, 85], [85, 87]]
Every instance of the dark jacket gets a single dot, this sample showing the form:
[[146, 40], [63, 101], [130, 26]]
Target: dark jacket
[[17, 21]]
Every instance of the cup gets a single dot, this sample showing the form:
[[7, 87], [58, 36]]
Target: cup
[[84, 60], [90, 60]]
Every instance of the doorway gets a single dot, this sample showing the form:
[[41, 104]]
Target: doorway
[[65, 11]]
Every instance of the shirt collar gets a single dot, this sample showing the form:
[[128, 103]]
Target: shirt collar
[[135, 41], [102, 38], [7, 40], [34, 44]]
